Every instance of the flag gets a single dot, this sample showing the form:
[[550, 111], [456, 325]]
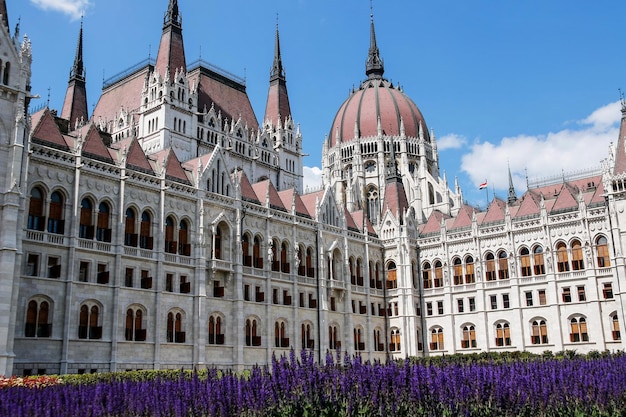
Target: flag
[[483, 185]]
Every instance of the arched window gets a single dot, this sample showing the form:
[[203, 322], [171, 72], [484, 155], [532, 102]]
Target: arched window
[[170, 243], [395, 345], [562, 257], [55, 216], [577, 256], [333, 337], [103, 230], [372, 205], [524, 258], [216, 335], [251, 333], [470, 277], [130, 237], [469, 337], [256, 253], [539, 268], [36, 219], [457, 271], [245, 249], [379, 345], [88, 327], [85, 226], [307, 336], [134, 329], [218, 243], [503, 334], [280, 339], [392, 278], [175, 331], [7, 72], [539, 335], [490, 267], [427, 276], [310, 268], [351, 267], [184, 247], [38, 319], [359, 273], [503, 265], [578, 330], [284, 264], [615, 332], [436, 339], [602, 251], [145, 231], [438, 281]]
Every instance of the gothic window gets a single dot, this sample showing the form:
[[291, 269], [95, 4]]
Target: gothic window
[[307, 336], [457, 271], [216, 332], [525, 262], [470, 278], [257, 256], [245, 250], [503, 334], [577, 256], [373, 205], [184, 247], [88, 322], [134, 327], [427, 276], [503, 265], [251, 333], [392, 281], [436, 338], [103, 230], [36, 219], [379, 345], [130, 237], [85, 226], [7, 72], [55, 214], [218, 243], [490, 267], [469, 337], [615, 332], [310, 268], [395, 345], [438, 281], [562, 257], [145, 231], [170, 243], [38, 323], [539, 267], [175, 333], [280, 339], [539, 332], [602, 251], [578, 330], [333, 337]]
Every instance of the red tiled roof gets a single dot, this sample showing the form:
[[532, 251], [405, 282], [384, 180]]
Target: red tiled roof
[[75, 103], [359, 217], [495, 211], [310, 199], [135, 157], [263, 189], [395, 198], [433, 224], [277, 105], [47, 131], [291, 196], [123, 94], [529, 205], [173, 168], [463, 217], [247, 192], [171, 53], [93, 145], [565, 200]]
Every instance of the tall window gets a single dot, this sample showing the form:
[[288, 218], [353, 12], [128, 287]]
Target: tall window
[[469, 337], [246, 259], [615, 332], [38, 319], [539, 268], [310, 269], [427, 275], [307, 336], [577, 256], [503, 334], [175, 331], [490, 267], [503, 265], [438, 281], [218, 243], [525, 262], [436, 339], [578, 330], [333, 337], [256, 253], [372, 205], [284, 264], [539, 335], [458, 271], [88, 327], [184, 247], [55, 216], [251, 333], [602, 250], [134, 329], [391, 276], [379, 346], [395, 346], [170, 243], [145, 231], [562, 257], [36, 219], [280, 339], [103, 230], [130, 237], [216, 335], [470, 278], [85, 226]]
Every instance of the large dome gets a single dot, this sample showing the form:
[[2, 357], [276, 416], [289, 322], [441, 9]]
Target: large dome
[[377, 99]]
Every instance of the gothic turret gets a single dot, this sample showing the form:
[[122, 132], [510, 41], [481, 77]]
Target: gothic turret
[[620, 157], [277, 105], [75, 103], [171, 55], [512, 196], [374, 67]]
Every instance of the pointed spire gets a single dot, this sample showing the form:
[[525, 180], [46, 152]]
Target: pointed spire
[[512, 197], [374, 67], [171, 55], [75, 103], [277, 104]]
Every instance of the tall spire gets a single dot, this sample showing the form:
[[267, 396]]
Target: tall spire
[[374, 67], [75, 103], [277, 105], [512, 197], [171, 55]]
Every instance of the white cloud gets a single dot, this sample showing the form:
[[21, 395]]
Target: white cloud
[[567, 150], [451, 141], [73, 8], [312, 178]]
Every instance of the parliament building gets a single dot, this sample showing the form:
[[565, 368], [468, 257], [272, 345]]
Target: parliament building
[[170, 229]]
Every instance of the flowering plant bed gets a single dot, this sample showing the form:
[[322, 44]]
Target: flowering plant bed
[[548, 386]]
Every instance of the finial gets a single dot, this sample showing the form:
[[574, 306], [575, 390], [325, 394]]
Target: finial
[[372, 9], [48, 100]]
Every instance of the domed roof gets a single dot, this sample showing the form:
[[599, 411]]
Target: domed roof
[[376, 100]]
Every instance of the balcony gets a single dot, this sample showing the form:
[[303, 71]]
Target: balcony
[[220, 265], [336, 285]]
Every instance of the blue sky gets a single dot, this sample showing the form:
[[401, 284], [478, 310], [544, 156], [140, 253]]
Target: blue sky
[[528, 84]]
